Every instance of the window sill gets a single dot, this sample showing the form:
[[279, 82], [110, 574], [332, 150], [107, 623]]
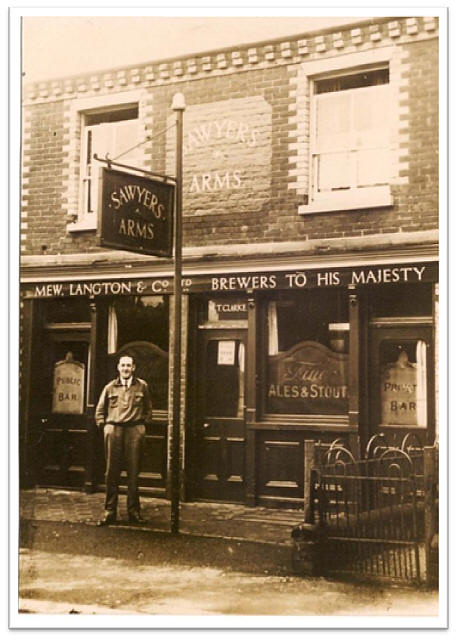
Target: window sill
[[303, 422], [402, 426], [284, 425], [350, 200], [82, 225]]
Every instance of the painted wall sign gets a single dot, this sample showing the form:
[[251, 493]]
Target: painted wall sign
[[227, 150], [136, 213], [68, 386], [283, 280], [309, 378]]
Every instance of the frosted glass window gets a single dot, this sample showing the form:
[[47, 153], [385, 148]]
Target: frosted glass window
[[403, 383]]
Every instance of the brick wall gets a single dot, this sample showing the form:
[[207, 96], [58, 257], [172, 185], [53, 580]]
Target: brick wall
[[239, 186], [418, 201], [43, 210]]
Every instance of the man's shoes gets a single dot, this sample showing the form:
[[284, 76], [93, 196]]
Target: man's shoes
[[110, 518], [135, 518]]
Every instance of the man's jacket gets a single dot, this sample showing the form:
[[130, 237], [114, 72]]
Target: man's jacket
[[121, 405]]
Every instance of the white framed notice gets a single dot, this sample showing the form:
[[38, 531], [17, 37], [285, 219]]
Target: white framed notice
[[226, 352]]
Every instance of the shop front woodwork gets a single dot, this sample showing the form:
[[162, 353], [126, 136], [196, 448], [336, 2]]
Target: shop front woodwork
[[272, 359]]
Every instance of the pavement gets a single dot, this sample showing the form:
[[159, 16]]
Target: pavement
[[230, 535], [234, 521]]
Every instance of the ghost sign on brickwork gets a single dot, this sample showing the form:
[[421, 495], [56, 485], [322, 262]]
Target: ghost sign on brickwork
[[226, 156]]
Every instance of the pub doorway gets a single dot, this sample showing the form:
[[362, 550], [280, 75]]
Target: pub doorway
[[61, 421], [219, 434]]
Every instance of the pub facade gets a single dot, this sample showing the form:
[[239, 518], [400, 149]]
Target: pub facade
[[310, 258]]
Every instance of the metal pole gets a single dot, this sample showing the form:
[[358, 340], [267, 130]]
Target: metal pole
[[178, 106]]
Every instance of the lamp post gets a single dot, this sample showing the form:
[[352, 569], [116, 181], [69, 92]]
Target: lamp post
[[178, 106]]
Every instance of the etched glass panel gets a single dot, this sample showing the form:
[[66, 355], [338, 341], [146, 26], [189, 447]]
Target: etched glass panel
[[307, 361], [403, 383]]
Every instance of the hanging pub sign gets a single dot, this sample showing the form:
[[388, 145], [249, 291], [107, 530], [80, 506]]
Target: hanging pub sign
[[136, 213], [68, 386]]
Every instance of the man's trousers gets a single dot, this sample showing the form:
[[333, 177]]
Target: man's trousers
[[123, 443]]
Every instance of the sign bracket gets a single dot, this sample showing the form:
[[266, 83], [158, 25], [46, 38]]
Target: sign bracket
[[110, 162]]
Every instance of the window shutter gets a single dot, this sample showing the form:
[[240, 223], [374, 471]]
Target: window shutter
[[373, 167], [371, 117], [333, 141], [334, 171], [333, 122], [372, 135], [351, 139]]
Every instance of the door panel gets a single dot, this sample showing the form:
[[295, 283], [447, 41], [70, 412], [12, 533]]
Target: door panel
[[280, 468], [220, 428]]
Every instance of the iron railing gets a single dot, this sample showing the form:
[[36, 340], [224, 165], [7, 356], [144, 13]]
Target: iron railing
[[371, 510]]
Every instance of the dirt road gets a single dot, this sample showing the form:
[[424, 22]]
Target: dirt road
[[58, 583]]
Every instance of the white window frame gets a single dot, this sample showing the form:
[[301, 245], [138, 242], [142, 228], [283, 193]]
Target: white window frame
[[78, 110], [356, 197], [89, 172]]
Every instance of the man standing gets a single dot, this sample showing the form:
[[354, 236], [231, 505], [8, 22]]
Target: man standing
[[122, 410]]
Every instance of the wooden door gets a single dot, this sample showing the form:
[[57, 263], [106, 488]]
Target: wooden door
[[220, 427]]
